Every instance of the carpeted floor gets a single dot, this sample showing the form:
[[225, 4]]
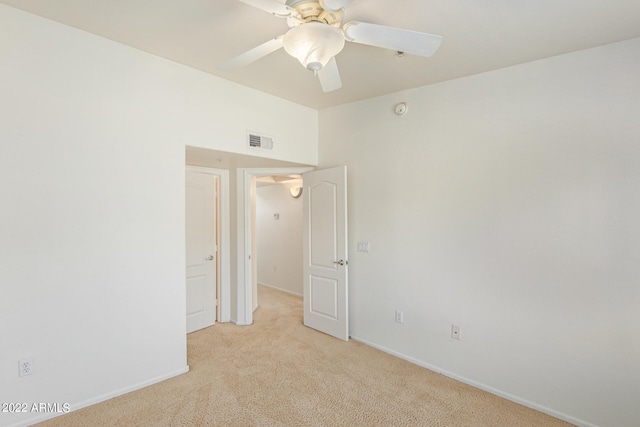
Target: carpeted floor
[[279, 373]]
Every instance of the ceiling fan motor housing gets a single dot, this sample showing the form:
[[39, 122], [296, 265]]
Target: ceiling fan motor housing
[[309, 11]]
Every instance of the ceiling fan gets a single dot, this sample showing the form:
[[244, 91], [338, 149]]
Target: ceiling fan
[[316, 35]]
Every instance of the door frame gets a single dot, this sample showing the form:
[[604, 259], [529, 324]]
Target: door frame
[[245, 208], [223, 272]]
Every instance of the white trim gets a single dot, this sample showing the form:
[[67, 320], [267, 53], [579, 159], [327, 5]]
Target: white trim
[[103, 398], [280, 289], [478, 385], [224, 240], [245, 291]]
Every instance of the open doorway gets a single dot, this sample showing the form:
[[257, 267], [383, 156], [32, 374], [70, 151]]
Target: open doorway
[[278, 217], [247, 265], [324, 249]]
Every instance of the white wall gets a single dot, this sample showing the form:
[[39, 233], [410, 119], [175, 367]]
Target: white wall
[[92, 154], [279, 241], [506, 203]]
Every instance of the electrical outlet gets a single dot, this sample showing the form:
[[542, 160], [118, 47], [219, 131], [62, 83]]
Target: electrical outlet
[[399, 316], [25, 367], [455, 332]]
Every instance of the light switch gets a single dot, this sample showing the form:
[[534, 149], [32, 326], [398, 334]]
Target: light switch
[[363, 247]]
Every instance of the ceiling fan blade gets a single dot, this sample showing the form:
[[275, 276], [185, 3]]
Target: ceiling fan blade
[[334, 5], [251, 55], [407, 41], [329, 76], [271, 6]]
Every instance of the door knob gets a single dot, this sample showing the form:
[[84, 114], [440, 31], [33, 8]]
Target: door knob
[[209, 258], [341, 262]]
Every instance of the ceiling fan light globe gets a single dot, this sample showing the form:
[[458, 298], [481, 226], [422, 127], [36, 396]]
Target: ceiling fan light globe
[[314, 43]]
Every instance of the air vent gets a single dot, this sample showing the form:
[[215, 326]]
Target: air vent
[[260, 142]]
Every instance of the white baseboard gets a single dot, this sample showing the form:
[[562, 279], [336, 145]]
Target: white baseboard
[[102, 398], [280, 289], [480, 386]]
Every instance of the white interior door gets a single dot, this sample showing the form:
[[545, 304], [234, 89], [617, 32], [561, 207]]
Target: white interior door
[[201, 250], [325, 251]]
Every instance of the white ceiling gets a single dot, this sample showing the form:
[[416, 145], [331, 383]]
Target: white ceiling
[[479, 35]]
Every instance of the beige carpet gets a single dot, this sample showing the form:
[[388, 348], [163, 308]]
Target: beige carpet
[[279, 373]]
